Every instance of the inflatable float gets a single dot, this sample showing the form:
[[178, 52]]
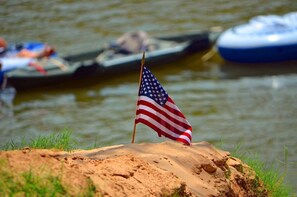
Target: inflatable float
[[267, 38]]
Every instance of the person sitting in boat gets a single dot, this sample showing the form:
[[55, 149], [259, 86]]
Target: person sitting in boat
[[129, 43], [22, 52]]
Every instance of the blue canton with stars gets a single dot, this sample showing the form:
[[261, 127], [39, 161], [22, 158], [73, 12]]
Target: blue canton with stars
[[151, 88]]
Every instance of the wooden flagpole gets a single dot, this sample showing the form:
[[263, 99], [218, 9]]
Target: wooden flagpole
[[140, 78]]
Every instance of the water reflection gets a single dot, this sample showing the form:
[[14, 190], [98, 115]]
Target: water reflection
[[235, 70], [7, 96]]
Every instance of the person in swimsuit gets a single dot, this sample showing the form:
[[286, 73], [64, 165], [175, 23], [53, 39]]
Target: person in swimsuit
[[45, 52]]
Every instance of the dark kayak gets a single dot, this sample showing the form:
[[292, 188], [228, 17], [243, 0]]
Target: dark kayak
[[56, 70]]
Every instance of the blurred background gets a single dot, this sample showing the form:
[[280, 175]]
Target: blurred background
[[248, 104]]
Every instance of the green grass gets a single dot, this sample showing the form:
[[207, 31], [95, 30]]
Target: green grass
[[61, 141], [178, 192], [272, 177], [30, 184], [91, 189], [49, 185]]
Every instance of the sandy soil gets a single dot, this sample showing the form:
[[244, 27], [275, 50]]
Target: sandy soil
[[149, 169]]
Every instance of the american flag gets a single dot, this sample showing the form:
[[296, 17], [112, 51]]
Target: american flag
[[159, 112]]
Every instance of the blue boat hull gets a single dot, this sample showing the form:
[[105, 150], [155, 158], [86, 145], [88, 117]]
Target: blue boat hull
[[259, 54]]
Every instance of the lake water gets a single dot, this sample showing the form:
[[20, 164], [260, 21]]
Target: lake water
[[252, 105]]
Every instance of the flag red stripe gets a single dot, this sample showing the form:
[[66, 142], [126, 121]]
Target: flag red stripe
[[174, 110], [159, 131], [165, 123], [153, 109], [184, 123], [164, 129]]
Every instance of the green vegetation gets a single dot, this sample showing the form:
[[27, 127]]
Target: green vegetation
[[61, 141], [91, 189], [272, 177], [31, 184], [178, 192], [28, 184]]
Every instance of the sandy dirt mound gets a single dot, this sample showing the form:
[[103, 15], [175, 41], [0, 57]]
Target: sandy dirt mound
[[160, 169]]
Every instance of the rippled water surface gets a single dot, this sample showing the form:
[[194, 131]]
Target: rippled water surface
[[251, 105]]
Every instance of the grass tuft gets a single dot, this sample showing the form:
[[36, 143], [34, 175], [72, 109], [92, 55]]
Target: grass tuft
[[28, 183], [91, 190], [61, 141], [178, 192], [41, 186], [272, 178]]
